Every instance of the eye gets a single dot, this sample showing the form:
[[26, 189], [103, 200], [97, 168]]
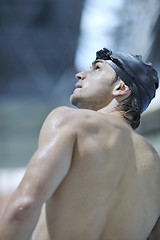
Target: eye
[[97, 67]]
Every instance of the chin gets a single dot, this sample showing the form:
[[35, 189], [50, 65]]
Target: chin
[[83, 103], [74, 100]]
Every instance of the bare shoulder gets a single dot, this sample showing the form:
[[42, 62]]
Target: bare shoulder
[[147, 154], [59, 116], [63, 116], [153, 166], [66, 115], [68, 119], [148, 160], [148, 147]]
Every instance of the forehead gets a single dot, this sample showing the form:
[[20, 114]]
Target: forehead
[[98, 60], [104, 62]]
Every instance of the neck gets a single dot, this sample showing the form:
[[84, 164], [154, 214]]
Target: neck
[[111, 109]]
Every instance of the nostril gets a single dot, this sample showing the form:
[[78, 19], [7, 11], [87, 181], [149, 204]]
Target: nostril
[[80, 76]]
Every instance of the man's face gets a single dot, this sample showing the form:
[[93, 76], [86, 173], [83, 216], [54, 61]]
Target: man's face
[[94, 87]]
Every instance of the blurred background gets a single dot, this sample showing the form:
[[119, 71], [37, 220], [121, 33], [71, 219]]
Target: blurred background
[[43, 43]]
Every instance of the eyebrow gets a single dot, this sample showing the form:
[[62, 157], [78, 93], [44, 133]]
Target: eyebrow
[[96, 61]]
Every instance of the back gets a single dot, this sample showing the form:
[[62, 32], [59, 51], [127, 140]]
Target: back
[[110, 191]]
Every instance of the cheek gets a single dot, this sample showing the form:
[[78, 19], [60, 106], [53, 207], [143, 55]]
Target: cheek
[[103, 92], [97, 84], [100, 86], [99, 91]]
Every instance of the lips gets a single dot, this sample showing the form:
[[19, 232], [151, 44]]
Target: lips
[[78, 86]]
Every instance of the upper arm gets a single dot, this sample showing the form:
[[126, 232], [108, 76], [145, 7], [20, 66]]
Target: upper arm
[[51, 162], [45, 171]]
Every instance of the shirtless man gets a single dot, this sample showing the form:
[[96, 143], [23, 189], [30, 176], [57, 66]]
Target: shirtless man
[[92, 177]]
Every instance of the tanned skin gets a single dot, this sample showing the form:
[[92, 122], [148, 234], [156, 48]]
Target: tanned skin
[[92, 176]]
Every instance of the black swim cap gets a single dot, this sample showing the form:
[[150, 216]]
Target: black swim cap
[[139, 76]]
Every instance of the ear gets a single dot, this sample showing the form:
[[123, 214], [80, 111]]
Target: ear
[[121, 89]]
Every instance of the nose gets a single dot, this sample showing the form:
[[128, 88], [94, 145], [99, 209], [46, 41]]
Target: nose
[[80, 76]]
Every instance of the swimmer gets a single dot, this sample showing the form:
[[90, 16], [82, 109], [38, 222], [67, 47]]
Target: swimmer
[[93, 177]]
